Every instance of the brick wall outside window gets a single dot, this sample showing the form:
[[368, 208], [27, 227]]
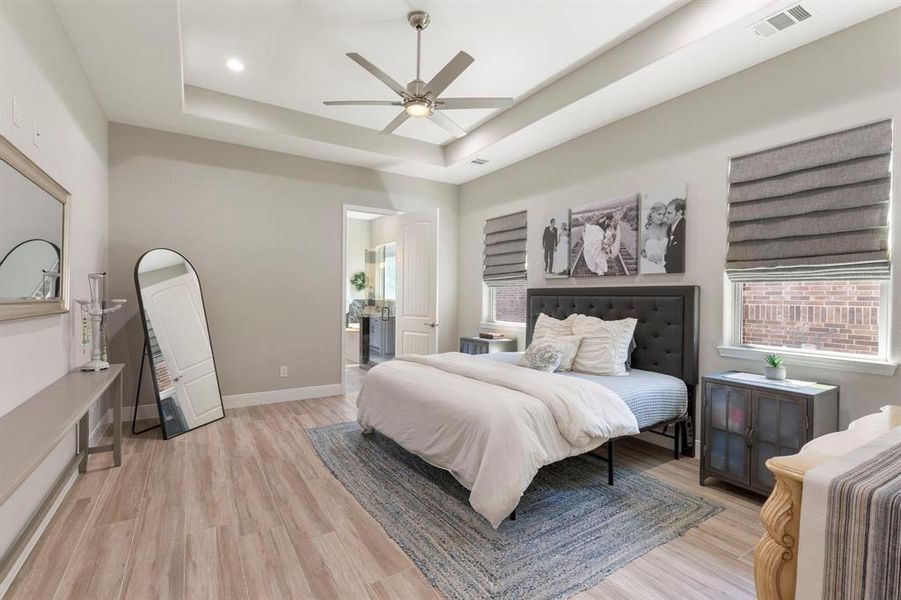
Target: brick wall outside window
[[510, 304], [839, 316]]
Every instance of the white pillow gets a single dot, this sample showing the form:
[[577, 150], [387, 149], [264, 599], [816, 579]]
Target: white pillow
[[567, 344], [547, 326], [605, 345]]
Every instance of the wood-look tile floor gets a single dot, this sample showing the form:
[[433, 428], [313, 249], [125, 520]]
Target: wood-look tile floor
[[244, 508]]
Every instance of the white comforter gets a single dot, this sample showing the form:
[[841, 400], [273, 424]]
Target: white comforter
[[491, 424]]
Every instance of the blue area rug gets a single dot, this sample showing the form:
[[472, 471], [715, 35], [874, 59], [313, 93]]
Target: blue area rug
[[571, 528]]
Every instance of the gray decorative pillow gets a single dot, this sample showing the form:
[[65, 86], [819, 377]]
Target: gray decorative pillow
[[542, 357]]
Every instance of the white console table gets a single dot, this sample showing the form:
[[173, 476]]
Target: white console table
[[30, 432]]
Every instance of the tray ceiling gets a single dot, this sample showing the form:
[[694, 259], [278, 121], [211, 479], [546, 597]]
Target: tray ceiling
[[571, 67]]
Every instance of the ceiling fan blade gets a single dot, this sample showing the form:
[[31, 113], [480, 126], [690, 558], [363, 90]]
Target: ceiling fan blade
[[447, 75], [452, 103], [446, 122], [362, 103], [397, 122], [381, 75]]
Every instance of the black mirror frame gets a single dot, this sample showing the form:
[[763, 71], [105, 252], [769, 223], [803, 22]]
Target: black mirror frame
[[145, 347]]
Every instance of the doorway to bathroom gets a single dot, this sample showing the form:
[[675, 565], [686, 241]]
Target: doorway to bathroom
[[389, 303], [370, 243]]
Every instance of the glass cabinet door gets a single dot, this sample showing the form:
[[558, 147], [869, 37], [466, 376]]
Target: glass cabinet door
[[728, 427], [779, 427]]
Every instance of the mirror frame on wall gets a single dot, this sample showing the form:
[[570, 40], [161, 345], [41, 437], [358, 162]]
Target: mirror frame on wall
[[36, 308], [145, 350]]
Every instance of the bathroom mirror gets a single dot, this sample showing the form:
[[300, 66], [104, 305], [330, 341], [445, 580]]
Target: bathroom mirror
[[177, 342], [33, 220]]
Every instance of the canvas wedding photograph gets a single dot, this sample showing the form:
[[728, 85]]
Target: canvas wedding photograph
[[605, 237], [555, 246], [662, 243]]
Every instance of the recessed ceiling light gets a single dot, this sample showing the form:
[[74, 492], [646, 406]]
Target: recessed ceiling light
[[235, 65]]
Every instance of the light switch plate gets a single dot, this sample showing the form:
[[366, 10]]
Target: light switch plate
[[283, 371], [36, 137]]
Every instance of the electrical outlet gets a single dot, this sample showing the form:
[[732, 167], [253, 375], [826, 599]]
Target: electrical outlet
[[283, 371], [17, 114]]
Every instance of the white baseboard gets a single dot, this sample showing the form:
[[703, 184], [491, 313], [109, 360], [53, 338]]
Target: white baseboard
[[150, 411], [105, 420], [304, 393]]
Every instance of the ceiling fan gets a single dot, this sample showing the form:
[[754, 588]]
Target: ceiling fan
[[421, 99]]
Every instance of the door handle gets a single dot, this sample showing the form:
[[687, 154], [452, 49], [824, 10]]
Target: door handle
[[432, 325], [177, 378], [748, 433]]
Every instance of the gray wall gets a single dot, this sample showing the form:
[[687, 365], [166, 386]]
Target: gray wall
[[263, 231], [358, 241], [849, 78], [383, 230], [39, 68]]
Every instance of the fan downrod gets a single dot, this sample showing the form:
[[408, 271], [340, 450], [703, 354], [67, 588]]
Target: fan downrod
[[419, 19]]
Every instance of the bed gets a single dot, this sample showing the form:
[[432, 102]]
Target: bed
[[492, 424]]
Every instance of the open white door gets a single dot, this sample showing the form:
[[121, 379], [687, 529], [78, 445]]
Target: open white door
[[176, 314], [417, 283]]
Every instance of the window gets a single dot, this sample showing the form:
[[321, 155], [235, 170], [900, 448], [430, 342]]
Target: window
[[507, 304], [808, 255], [822, 316]]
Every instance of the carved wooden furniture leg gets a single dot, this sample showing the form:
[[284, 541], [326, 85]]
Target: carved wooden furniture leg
[[776, 555]]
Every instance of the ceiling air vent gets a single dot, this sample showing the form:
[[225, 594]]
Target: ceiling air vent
[[799, 13], [780, 21], [479, 161]]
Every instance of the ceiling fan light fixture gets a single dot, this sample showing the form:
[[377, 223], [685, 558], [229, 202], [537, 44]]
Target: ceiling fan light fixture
[[418, 108], [422, 99]]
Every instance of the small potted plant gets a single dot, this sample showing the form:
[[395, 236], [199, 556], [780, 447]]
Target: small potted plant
[[775, 367], [358, 281]]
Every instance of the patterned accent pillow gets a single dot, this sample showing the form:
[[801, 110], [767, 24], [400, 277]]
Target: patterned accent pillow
[[605, 345], [547, 326], [567, 344], [542, 357]]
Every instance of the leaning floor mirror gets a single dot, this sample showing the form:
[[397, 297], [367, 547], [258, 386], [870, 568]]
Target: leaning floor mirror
[[177, 342]]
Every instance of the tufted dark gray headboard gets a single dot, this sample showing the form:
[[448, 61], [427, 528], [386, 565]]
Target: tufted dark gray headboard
[[666, 335]]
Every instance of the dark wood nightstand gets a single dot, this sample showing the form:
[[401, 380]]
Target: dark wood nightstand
[[744, 423], [477, 345]]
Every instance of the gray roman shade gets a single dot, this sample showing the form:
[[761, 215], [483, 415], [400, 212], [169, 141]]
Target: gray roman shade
[[505, 250], [816, 209]]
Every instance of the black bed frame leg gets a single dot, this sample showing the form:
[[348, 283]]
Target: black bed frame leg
[[512, 516], [610, 462], [677, 440]]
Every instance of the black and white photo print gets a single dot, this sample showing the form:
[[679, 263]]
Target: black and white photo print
[[555, 246], [662, 223], [605, 237]]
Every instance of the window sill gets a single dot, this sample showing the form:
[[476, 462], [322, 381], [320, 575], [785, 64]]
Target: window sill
[[870, 366]]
